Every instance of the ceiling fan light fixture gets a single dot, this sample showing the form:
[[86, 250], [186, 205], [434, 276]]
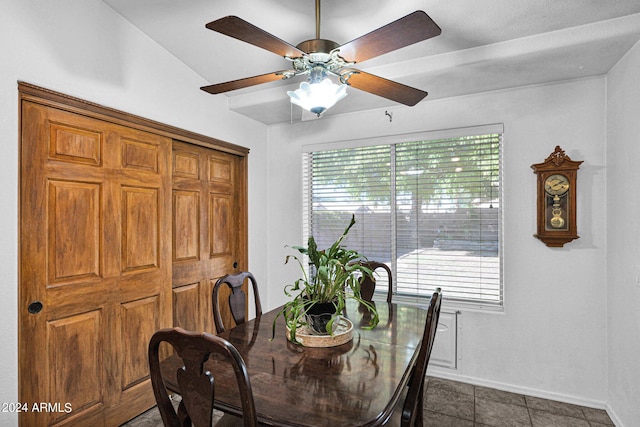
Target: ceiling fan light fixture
[[318, 97]]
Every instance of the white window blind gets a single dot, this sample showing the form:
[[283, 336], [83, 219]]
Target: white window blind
[[430, 209]]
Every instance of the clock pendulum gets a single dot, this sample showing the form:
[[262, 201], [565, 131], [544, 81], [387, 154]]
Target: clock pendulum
[[556, 220]]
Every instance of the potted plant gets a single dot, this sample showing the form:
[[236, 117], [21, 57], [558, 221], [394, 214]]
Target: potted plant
[[319, 297]]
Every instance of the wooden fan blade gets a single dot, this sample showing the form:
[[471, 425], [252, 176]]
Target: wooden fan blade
[[413, 28], [240, 29], [385, 88], [246, 82]]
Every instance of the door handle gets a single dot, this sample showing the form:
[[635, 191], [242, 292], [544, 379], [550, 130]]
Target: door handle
[[35, 307]]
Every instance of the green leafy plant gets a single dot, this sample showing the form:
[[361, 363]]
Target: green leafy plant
[[334, 277]]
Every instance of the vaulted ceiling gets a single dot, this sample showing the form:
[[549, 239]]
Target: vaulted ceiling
[[485, 44]]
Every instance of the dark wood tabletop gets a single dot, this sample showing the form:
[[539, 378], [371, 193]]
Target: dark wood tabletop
[[354, 384]]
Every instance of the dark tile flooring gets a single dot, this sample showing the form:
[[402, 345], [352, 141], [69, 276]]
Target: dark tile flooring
[[455, 404]]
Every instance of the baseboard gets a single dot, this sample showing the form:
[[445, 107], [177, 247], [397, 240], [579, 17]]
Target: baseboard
[[452, 375], [448, 374], [616, 421]]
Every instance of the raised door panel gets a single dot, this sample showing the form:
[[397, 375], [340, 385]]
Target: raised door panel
[[187, 312], [141, 155], [206, 291], [74, 238], [140, 229], [186, 225], [221, 169], [186, 164], [221, 172], [75, 358], [73, 144], [139, 321], [221, 225]]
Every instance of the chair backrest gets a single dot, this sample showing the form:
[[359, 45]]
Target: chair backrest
[[197, 385], [412, 409], [237, 299], [368, 284]]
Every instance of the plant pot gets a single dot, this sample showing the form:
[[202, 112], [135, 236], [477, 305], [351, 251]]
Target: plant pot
[[318, 316]]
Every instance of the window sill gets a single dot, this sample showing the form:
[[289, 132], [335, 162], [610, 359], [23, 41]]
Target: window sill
[[449, 305]]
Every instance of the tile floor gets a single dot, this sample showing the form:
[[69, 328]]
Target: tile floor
[[455, 404]]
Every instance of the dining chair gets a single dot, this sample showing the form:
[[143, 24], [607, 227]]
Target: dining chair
[[197, 388], [408, 412], [368, 284], [237, 299]]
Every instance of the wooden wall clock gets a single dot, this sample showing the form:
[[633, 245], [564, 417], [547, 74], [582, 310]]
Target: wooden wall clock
[[556, 200]]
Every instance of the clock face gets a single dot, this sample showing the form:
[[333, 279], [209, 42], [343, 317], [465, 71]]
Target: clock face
[[556, 185]]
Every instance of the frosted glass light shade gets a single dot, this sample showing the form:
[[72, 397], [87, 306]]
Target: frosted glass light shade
[[318, 97]]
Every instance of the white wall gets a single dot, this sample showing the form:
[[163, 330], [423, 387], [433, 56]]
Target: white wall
[[551, 337], [84, 49], [550, 340], [623, 240]]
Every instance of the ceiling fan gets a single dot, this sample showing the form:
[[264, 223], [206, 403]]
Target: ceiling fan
[[319, 58]]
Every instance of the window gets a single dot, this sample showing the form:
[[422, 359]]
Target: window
[[427, 206]]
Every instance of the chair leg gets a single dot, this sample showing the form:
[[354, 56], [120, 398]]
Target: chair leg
[[420, 408], [183, 416]]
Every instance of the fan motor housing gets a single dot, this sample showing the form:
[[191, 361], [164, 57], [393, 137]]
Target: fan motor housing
[[317, 46]]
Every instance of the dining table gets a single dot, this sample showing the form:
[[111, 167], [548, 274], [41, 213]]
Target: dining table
[[353, 384]]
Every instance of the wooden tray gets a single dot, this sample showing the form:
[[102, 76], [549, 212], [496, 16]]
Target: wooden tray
[[343, 334]]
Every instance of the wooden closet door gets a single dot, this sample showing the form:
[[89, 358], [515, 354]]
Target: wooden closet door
[[95, 276], [208, 230]]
